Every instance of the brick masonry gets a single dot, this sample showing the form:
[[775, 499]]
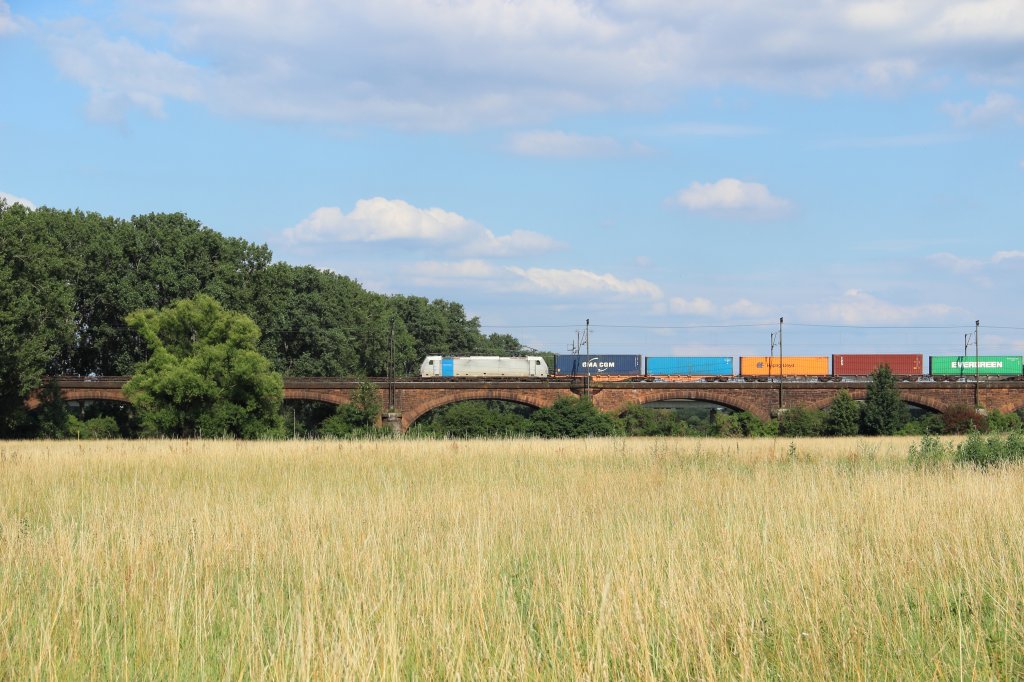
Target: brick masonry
[[414, 399]]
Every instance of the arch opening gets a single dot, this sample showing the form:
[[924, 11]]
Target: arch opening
[[303, 416], [713, 400], [475, 417]]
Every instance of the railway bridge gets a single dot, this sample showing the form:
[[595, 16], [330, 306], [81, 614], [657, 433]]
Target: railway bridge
[[407, 400]]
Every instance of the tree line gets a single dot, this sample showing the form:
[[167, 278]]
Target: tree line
[[209, 325], [70, 279]]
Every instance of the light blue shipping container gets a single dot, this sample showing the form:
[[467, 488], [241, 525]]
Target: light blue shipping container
[[689, 366]]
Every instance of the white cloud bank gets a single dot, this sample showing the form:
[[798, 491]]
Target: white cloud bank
[[560, 144], [576, 282], [8, 24], [860, 307], [998, 108], [740, 309], [552, 282], [379, 219], [961, 265], [462, 63], [11, 200], [733, 197]]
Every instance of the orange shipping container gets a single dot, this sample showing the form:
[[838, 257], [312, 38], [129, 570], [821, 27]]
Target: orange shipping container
[[791, 366]]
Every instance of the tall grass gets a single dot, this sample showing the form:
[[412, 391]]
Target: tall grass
[[659, 558]]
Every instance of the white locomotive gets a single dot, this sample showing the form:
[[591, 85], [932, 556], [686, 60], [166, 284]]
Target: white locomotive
[[483, 366]]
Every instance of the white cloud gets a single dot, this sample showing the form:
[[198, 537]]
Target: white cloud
[[11, 200], [120, 75], [461, 63], [698, 129], [578, 282], [955, 263], [559, 144], [859, 307], [693, 306], [732, 196], [744, 308], [962, 265], [379, 219], [998, 108], [8, 23], [454, 270]]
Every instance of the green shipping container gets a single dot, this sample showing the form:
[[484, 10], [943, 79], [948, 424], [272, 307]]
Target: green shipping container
[[964, 365]]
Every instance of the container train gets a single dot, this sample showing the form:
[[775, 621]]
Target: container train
[[689, 368]]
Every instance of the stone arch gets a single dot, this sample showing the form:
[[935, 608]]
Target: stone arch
[[113, 395], [928, 402], [824, 403], [319, 395], [730, 400], [909, 397], [533, 399]]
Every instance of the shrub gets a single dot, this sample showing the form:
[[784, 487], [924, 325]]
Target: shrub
[[932, 452], [638, 420], [92, 429], [752, 426], [981, 451], [572, 417], [1003, 423], [962, 419], [800, 421]]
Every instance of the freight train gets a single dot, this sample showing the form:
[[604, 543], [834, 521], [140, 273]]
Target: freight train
[[690, 368]]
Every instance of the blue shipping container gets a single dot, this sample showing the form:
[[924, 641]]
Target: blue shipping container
[[598, 365], [689, 366]]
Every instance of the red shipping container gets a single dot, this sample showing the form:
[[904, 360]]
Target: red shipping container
[[862, 365]]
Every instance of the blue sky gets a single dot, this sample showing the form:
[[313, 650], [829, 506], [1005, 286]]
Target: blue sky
[[680, 173]]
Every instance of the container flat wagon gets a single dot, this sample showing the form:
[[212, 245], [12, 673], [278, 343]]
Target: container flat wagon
[[764, 366], [689, 366], [902, 364], [969, 365], [598, 366]]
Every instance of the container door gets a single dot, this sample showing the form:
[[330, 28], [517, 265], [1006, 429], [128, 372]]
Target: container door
[[447, 367]]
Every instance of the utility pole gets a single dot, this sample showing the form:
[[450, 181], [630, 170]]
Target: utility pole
[[776, 338], [977, 365], [977, 360], [391, 369], [586, 379], [780, 365]]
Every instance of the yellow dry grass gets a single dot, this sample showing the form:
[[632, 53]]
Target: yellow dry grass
[[598, 559]]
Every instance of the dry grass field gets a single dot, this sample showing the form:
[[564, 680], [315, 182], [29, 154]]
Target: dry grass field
[[597, 559]]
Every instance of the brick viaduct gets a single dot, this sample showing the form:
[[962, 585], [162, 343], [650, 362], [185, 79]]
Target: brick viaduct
[[414, 398]]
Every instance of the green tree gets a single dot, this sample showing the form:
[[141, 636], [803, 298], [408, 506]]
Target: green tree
[[476, 419], [204, 376], [35, 310], [367, 401], [638, 420], [800, 421], [310, 320], [843, 416], [884, 413], [571, 418], [361, 415]]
